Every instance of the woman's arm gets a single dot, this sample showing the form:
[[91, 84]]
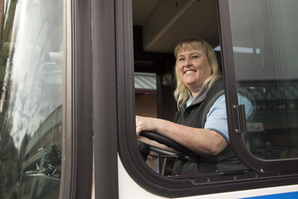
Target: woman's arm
[[196, 139]]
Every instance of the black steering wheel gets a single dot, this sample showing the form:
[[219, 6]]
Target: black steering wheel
[[180, 152]]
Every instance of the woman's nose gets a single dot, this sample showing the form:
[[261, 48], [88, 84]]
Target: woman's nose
[[187, 62]]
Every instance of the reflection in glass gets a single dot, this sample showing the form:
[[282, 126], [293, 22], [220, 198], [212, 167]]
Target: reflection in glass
[[268, 30], [31, 61]]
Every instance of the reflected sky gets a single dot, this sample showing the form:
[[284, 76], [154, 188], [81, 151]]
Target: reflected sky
[[35, 87]]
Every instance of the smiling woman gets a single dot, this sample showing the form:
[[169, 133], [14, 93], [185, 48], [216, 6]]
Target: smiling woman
[[199, 94], [205, 52], [193, 69]]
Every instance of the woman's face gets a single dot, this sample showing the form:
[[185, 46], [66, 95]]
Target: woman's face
[[193, 68]]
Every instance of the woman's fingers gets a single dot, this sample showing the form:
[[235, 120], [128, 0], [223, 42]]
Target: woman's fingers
[[143, 124]]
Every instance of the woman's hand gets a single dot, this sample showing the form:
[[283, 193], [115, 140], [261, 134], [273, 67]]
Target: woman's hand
[[145, 124], [196, 139]]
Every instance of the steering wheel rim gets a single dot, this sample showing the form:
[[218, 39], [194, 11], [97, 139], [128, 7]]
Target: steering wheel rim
[[168, 142]]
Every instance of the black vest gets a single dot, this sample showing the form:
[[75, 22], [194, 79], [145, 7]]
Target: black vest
[[195, 116]]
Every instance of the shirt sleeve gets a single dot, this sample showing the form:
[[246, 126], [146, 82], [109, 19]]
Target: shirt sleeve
[[216, 119]]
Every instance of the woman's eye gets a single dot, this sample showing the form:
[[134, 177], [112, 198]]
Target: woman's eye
[[181, 59], [195, 57]]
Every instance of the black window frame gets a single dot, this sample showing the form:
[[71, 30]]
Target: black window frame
[[104, 85], [77, 152], [179, 186]]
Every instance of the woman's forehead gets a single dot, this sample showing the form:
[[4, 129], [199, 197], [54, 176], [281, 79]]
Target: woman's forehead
[[189, 47], [186, 51]]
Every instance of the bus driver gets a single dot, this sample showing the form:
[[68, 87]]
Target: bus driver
[[201, 120]]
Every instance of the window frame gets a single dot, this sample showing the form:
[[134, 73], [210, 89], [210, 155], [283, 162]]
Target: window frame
[[104, 99], [178, 186], [77, 153]]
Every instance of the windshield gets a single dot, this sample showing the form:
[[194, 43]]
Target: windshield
[[31, 98]]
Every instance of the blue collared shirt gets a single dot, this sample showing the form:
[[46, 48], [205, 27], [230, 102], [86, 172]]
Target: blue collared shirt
[[216, 119]]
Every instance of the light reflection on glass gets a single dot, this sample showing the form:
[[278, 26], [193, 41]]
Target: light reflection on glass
[[31, 58], [269, 74]]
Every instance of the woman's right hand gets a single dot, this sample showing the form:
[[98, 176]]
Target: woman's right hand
[[145, 124]]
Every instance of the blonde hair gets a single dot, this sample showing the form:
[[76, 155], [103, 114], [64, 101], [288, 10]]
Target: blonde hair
[[182, 93]]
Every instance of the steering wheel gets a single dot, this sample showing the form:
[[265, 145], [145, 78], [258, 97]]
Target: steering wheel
[[180, 152]]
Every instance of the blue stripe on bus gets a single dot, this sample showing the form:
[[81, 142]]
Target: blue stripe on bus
[[290, 195]]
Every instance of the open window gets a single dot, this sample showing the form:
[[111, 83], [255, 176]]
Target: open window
[[153, 29], [158, 26]]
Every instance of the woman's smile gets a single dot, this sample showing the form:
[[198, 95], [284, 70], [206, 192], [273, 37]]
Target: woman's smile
[[193, 68], [189, 71]]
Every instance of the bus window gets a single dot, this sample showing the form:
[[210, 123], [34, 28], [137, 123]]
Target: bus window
[[151, 30], [262, 45], [266, 66], [31, 51]]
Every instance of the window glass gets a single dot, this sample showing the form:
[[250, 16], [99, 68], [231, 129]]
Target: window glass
[[31, 61], [264, 38]]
